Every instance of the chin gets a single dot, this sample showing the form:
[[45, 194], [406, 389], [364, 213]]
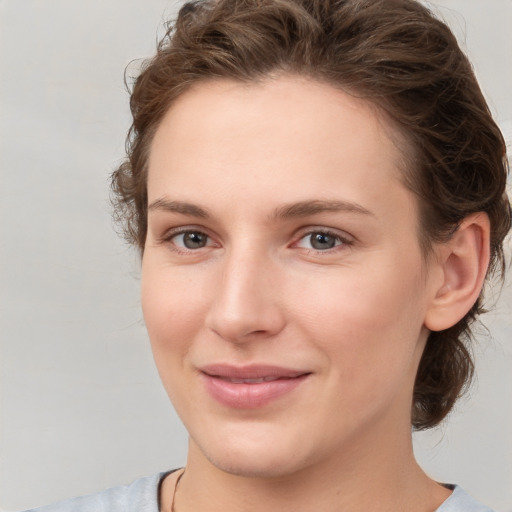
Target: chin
[[259, 466], [255, 456]]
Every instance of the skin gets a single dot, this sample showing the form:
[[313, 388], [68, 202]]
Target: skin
[[355, 316]]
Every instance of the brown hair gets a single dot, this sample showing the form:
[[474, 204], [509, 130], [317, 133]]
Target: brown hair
[[393, 53]]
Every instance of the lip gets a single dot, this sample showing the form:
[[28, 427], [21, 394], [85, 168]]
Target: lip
[[250, 387]]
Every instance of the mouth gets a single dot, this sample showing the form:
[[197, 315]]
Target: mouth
[[235, 380], [250, 387]]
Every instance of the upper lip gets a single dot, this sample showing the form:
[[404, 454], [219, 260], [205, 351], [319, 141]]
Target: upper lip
[[253, 371]]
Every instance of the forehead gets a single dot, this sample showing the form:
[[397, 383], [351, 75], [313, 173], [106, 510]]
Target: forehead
[[285, 139], [292, 105]]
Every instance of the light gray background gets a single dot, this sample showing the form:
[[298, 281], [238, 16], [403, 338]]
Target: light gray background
[[81, 404]]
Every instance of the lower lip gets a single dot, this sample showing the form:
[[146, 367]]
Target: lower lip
[[250, 395]]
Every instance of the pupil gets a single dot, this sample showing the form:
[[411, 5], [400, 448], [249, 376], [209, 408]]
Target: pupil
[[322, 241], [194, 240]]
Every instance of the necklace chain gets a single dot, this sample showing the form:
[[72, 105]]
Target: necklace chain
[[175, 489]]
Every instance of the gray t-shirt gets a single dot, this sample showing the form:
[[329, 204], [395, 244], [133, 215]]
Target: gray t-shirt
[[142, 496]]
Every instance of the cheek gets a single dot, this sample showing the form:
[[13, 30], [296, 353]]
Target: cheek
[[371, 297], [369, 323], [173, 307], [371, 336]]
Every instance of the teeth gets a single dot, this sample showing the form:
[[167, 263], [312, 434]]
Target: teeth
[[251, 381]]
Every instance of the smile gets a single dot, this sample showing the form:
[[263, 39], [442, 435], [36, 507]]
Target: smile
[[250, 381], [250, 387]]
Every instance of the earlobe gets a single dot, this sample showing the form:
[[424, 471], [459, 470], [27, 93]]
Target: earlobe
[[463, 260]]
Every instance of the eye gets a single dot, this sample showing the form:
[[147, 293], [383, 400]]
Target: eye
[[190, 240], [321, 241]]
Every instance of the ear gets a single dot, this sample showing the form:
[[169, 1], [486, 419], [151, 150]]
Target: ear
[[463, 262]]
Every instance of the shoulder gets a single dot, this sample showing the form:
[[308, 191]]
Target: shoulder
[[461, 501], [140, 496]]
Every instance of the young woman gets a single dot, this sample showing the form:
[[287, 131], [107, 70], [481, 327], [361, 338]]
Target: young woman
[[317, 190]]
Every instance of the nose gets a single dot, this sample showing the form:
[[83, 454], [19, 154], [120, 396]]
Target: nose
[[246, 304]]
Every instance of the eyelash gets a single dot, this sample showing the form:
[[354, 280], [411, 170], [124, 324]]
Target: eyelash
[[341, 241], [170, 236]]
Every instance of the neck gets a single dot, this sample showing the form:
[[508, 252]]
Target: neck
[[379, 476]]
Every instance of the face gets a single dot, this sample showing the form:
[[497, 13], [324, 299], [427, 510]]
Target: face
[[283, 285]]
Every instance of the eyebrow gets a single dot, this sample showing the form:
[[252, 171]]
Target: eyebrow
[[305, 208], [287, 211], [178, 207]]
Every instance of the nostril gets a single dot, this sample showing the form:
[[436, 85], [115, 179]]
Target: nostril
[[243, 307]]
